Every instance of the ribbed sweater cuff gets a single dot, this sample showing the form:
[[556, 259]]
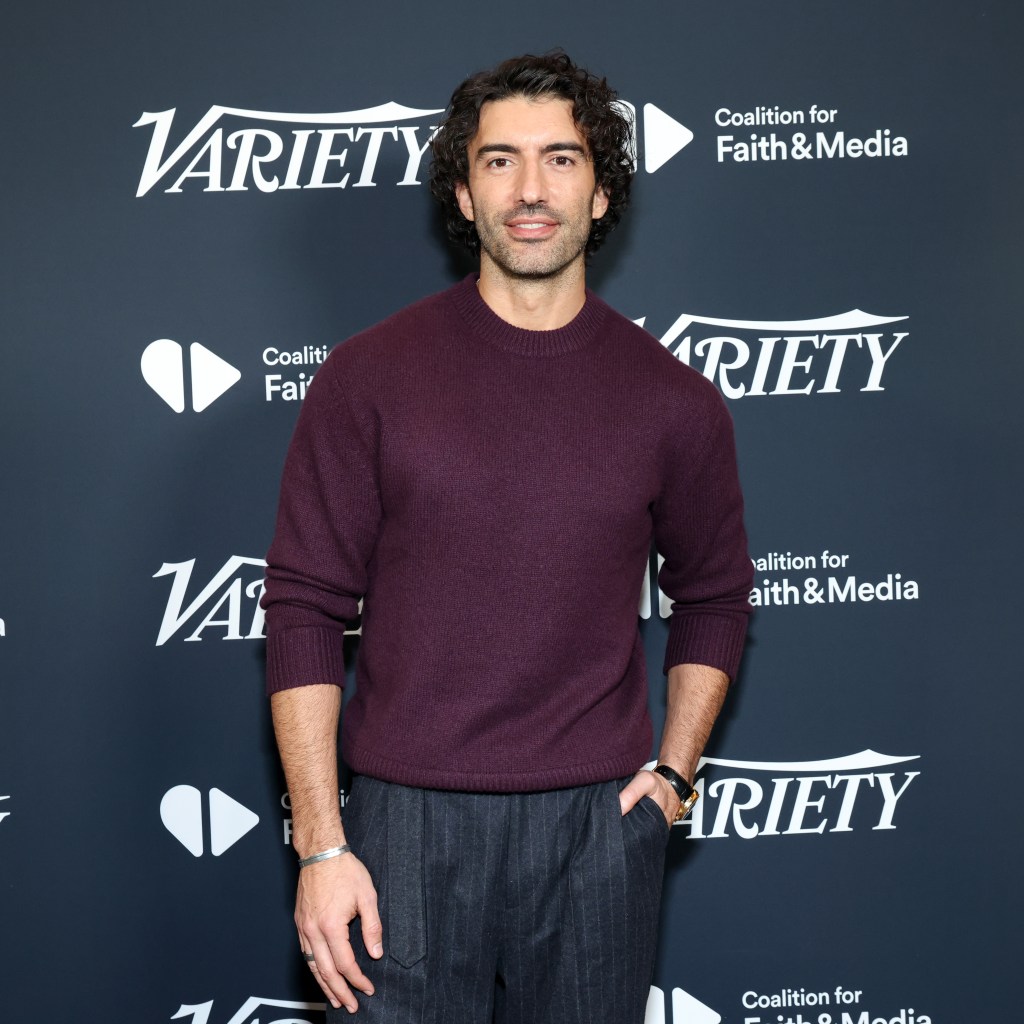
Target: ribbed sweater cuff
[[303, 655], [704, 638]]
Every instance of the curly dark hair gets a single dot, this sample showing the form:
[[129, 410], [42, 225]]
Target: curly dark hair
[[606, 126]]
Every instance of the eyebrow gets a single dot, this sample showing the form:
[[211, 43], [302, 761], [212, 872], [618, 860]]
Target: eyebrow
[[551, 147]]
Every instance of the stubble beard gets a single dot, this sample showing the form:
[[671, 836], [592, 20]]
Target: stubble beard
[[529, 260]]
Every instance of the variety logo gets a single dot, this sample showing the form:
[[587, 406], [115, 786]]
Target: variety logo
[[163, 369], [227, 587], [3, 628], [789, 798], [231, 149], [229, 603], [275, 158], [685, 1009], [254, 1011], [181, 811], [5, 814], [759, 358]]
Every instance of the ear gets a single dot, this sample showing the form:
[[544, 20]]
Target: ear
[[600, 205], [465, 200]]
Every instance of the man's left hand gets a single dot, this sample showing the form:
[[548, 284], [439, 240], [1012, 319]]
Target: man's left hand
[[646, 783]]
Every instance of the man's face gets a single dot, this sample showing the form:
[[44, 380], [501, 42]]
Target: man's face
[[531, 190]]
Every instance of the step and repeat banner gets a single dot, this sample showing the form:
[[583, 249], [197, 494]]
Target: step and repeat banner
[[201, 200]]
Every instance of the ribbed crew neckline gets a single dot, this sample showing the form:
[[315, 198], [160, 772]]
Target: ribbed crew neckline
[[483, 321]]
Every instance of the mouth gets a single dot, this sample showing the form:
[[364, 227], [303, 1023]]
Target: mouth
[[531, 227]]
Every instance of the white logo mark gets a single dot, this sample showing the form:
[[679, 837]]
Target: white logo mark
[[250, 162], [163, 369], [827, 346], [846, 763], [685, 1009], [664, 136], [200, 1012], [181, 811], [175, 616], [4, 814]]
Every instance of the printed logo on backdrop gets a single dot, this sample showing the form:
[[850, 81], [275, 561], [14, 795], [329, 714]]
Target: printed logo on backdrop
[[807, 135], [227, 605], [757, 799], [232, 149], [181, 811], [824, 579], [686, 1009], [844, 1006], [207, 376], [4, 813], [255, 1010], [3, 629], [813, 579], [769, 358], [204, 376], [804, 135]]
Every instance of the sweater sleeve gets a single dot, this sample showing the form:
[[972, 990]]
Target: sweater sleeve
[[327, 522], [698, 530]]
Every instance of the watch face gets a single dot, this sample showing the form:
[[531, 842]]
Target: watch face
[[687, 805]]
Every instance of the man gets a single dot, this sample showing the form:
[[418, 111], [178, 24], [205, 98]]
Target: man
[[487, 469]]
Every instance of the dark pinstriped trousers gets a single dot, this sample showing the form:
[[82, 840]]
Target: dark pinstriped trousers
[[523, 908]]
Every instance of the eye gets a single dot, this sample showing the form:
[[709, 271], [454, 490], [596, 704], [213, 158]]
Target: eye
[[498, 162], [561, 160]]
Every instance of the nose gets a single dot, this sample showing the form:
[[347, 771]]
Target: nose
[[531, 183]]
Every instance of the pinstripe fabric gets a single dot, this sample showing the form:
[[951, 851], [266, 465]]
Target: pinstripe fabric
[[523, 908]]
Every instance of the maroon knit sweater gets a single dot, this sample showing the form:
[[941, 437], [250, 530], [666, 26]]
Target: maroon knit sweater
[[493, 493]]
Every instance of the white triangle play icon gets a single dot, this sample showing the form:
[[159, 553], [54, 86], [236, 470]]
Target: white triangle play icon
[[687, 1010], [229, 821], [664, 136], [211, 376]]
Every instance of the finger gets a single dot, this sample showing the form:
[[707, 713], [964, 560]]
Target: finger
[[345, 964], [329, 979], [310, 957], [373, 930], [636, 788]]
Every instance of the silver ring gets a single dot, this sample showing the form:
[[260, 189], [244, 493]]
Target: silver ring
[[310, 959]]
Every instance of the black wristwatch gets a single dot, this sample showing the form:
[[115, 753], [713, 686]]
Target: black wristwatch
[[686, 793]]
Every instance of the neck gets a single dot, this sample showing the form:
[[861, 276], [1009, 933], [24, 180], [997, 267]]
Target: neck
[[534, 304]]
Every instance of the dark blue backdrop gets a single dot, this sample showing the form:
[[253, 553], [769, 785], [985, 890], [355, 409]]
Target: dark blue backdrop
[[855, 859]]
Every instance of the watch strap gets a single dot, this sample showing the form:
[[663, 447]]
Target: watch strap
[[686, 793]]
